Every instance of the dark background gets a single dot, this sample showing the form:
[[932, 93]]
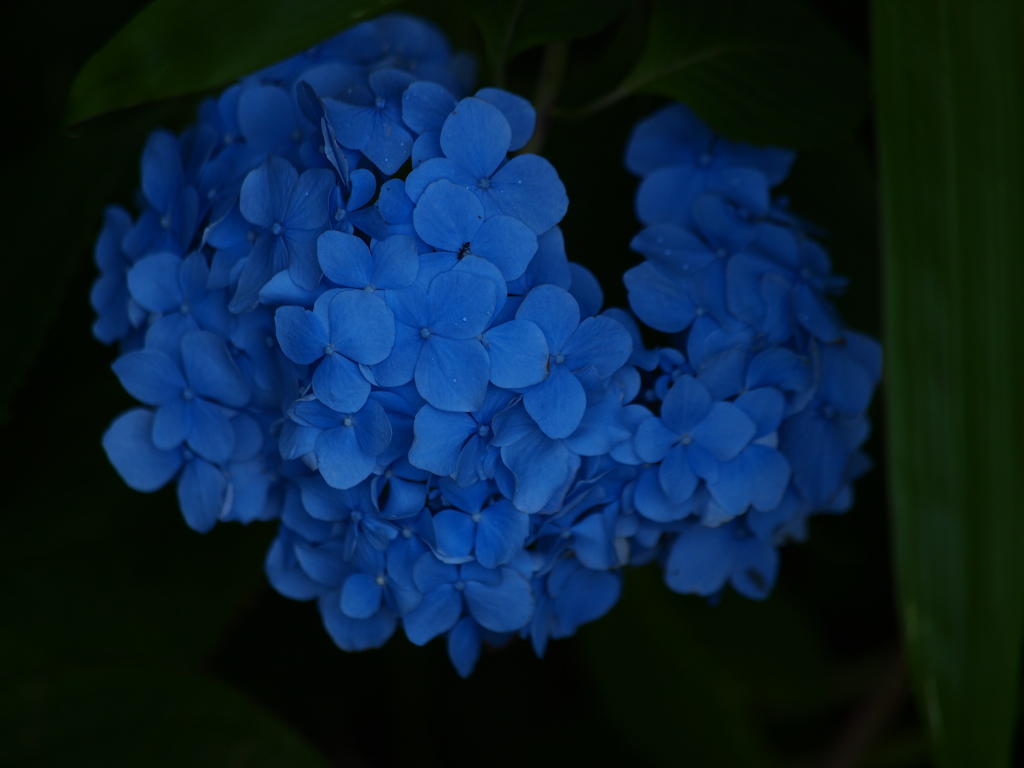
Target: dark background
[[128, 639]]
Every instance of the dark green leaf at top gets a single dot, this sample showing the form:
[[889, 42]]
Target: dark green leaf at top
[[176, 47], [762, 71], [509, 28]]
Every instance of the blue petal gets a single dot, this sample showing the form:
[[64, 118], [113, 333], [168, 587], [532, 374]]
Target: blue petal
[[426, 147], [440, 436], [725, 431], [301, 334], [438, 612], [685, 405], [352, 123], [447, 216], [324, 563], [600, 342], [390, 144], [557, 404], [758, 476], [312, 413], [308, 205], [702, 462], [266, 116], [303, 267], [675, 251], [211, 371], [284, 574], [452, 374], [542, 468], [765, 407], [426, 105], [548, 265], [528, 188], [518, 353], [846, 383], [212, 436], [153, 282], [554, 311], [355, 634], [344, 258], [671, 136], [600, 429], [501, 533], [361, 596], [396, 262], [455, 534], [507, 243], [266, 191], [429, 573], [201, 492], [338, 383], [129, 446], [400, 366], [757, 564], [660, 302], [361, 326], [194, 278], [364, 185], [816, 315], [476, 136], [373, 428], [781, 368], [652, 502], [521, 116], [464, 646], [676, 477], [503, 608], [161, 171], [700, 561], [587, 595], [149, 376], [173, 422], [434, 170], [341, 461], [463, 304]]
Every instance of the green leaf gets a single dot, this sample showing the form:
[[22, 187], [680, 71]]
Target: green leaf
[[140, 716], [177, 47], [509, 28], [950, 82], [761, 71]]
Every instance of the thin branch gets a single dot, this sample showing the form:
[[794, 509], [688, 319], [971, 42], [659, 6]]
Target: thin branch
[[549, 83]]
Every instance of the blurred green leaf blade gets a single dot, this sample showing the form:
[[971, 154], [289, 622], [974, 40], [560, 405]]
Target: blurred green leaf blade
[[950, 82], [177, 47], [761, 71], [509, 28]]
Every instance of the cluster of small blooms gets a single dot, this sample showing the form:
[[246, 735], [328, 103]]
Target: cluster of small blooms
[[407, 373], [754, 418]]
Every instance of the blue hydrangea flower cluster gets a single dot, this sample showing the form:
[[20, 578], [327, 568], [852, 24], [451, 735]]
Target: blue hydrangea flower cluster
[[346, 307]]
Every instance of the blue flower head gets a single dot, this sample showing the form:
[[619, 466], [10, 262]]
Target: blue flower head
[[346, 307]]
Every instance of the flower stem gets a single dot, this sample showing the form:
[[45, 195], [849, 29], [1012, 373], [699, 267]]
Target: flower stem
[[552, 72]]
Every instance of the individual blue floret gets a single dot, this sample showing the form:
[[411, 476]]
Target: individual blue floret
[[291, 212], [475, 139]]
